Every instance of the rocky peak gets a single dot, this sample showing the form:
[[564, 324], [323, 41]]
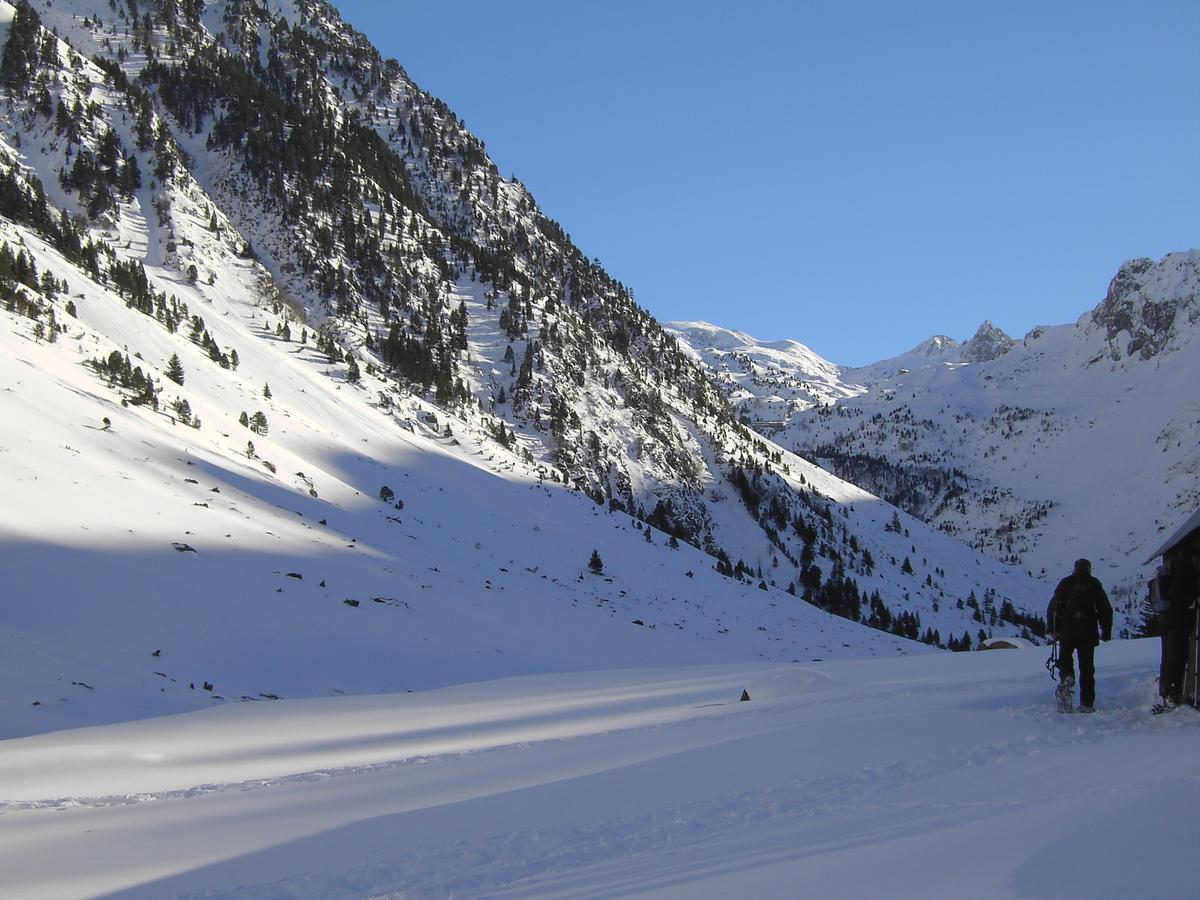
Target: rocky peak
[[988, 343], [935, 346], [1144, 302]]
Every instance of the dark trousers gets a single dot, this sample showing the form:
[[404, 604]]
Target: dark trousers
[[1174, 660], [1087, 668]]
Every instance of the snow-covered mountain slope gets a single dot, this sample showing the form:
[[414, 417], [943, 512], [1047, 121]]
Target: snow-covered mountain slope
[[770, 381], [146, 557], [1080, 440], [211, 376], [767, 381], [940, 776], [988, 343], [201, 140], [938, 349]]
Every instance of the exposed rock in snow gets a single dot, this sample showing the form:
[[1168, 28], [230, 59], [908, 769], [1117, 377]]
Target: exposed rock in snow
[[988, 343]]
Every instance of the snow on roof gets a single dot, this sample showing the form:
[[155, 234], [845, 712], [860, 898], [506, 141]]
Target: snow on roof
[[1192, 524], [1005, 643]]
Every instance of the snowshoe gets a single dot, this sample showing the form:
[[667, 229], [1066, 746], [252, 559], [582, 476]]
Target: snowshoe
[[1064, 695], [1087, 709], [1165, 704]]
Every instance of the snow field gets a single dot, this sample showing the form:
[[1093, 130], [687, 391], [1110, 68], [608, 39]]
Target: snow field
[[924, 776]]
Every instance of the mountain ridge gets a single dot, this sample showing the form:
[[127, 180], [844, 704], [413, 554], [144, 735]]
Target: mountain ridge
[[935, 433]]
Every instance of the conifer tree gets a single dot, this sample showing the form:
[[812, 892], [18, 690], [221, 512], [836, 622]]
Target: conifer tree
[[174, 369], [20, 56], [183, 410], [596, 564]]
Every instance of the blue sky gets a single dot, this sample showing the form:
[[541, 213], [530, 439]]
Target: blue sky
[[854, 175]]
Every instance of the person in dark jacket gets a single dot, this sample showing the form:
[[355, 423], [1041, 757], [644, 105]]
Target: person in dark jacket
[[1179, 589], [1079, 617]]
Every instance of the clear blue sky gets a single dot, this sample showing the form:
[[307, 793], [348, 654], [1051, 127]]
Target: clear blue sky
[[854, 175]]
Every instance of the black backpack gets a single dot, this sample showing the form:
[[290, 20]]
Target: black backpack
[[1076, 602]]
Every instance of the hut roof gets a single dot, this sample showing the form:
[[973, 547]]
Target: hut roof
[[1178, 536]]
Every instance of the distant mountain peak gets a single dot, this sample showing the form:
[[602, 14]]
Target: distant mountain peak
[[698, 332], [934, 346], [988, 343]]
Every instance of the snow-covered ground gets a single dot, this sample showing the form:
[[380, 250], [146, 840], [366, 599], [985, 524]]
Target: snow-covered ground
[[945, 775]]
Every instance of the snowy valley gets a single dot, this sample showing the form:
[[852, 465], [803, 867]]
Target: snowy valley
[[362, 537]]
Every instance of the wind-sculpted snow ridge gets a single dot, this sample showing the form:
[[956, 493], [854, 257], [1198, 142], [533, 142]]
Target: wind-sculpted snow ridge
[[1079, 441], [944, 770]]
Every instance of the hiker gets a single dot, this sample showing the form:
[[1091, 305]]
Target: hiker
[[1079, 617], [1177, 588]]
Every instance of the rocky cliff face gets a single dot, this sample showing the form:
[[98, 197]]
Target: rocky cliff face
[[1148, 304]]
